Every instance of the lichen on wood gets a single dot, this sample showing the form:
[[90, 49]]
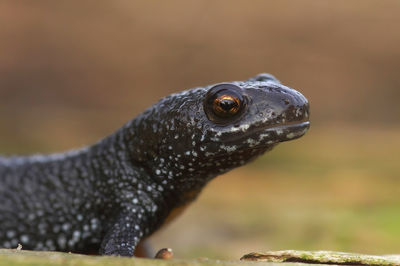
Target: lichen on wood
[[322, 257]]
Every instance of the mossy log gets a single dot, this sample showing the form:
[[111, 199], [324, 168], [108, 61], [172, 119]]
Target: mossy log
[[323, 257], [14, 257]]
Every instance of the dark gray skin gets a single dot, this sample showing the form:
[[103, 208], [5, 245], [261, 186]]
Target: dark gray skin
[[109, 196]]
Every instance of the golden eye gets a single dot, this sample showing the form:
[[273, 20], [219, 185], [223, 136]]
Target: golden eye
[[224, 103]]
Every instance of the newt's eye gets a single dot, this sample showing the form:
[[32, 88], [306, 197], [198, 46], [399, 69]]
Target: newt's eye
[[224, 103]]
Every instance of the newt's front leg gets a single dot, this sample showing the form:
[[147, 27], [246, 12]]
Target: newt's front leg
[[122, 237]]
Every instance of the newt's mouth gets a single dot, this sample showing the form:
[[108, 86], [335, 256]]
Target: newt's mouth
[[288, 131], [270, 135], [261, 140]]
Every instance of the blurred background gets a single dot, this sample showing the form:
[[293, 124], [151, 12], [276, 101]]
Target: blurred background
[[72, 72]]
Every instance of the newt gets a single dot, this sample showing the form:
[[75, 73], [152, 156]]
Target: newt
[[107, 197]]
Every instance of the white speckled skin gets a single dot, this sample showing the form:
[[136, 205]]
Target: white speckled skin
[[111, 195]]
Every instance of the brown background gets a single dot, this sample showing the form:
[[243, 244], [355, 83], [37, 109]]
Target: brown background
[[63, 61], [72, 72]]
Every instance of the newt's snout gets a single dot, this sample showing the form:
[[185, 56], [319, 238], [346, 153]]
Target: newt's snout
[[291, 116]]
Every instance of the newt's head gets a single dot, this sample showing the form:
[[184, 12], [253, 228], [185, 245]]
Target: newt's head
[[199, 133], [253, 114]]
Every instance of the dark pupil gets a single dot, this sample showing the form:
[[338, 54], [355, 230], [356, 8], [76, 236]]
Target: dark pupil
[[228, 104], [224, 103]]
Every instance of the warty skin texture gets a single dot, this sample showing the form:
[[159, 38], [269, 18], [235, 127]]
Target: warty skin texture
[[107, 197]]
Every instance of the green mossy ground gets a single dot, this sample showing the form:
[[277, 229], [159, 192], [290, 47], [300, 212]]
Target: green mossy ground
[[15, 257]]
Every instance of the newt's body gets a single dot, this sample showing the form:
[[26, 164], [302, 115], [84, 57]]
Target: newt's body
[[111, 195]]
